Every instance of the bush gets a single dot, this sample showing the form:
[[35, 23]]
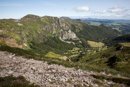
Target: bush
[[11, 81]]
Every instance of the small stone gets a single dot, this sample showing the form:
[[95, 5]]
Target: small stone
[[10, 72]]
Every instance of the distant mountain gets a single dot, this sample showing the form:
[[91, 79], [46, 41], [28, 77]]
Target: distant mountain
[[105, 21], [118, 24]]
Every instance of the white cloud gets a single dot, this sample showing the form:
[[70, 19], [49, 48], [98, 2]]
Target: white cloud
[[118, 10], [100, 11], [113, 12], [127, 15], [82, 9]]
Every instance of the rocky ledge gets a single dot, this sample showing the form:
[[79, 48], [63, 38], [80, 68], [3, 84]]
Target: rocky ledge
[[45, 75]]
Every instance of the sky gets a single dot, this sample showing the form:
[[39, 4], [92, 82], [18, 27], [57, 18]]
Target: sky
[[102, 9]]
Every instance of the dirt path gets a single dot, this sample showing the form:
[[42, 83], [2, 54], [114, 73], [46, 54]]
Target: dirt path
[[46, 75]]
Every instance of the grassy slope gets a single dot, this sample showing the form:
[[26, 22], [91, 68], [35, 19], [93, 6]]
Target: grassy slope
[[95, 62], [94, 44], [110, 59]]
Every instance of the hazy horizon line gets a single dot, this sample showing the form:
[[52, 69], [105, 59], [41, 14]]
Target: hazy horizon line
[[72, 17]]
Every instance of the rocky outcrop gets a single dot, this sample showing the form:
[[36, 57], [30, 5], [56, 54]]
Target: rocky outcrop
[[68, 35], [45, 75], [59, 27]]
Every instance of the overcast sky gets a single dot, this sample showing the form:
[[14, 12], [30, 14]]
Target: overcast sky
[[105, 9]]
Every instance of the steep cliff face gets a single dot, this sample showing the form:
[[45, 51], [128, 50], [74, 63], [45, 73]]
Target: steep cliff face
[[59, 27]]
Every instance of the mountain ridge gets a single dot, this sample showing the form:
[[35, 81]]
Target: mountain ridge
[[38, 29]]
